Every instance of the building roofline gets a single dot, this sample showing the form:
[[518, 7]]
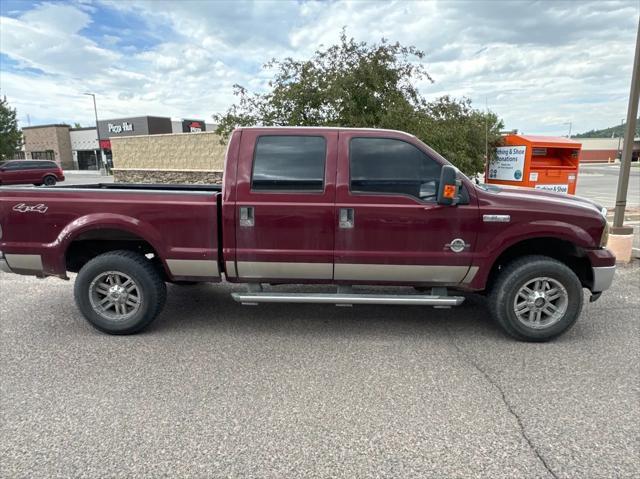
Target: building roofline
[[61, 125], [136, 116]]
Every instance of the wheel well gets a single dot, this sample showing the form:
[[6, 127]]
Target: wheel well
[[564, 251], [93, 243]]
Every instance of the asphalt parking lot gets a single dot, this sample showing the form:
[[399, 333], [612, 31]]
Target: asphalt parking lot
[[599, 182], [214, 389]]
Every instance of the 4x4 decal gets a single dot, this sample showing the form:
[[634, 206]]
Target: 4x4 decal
[[22, 208]]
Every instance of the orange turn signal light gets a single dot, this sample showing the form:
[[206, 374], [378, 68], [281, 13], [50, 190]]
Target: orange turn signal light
[[449, 191]]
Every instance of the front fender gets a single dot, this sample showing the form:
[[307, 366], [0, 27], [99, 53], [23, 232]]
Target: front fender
[[501, 241], [539, 229]]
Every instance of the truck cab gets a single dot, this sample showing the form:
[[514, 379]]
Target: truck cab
[[344, 206]]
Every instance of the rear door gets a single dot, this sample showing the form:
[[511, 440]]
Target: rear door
[[285, 192], [39, 169], [389, 227]]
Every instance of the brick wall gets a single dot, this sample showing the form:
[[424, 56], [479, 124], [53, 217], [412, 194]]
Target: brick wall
[[596, 156], [188, 151], [52, 137]]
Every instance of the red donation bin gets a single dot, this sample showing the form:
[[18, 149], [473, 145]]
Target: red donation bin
[[541, 162]]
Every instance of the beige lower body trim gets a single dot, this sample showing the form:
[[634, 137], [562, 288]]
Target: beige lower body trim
[[24, 263], [193, 267], [470, 275], [255, 269], [354, 272], [230, 267], [396, 272]]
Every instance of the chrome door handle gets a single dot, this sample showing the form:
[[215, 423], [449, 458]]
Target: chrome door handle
[[247, 216], [346, 218]]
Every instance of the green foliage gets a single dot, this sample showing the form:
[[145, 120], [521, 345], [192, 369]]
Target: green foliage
[[355, 84], [459, 133], [10, 134], [77, 125], [611, 132]]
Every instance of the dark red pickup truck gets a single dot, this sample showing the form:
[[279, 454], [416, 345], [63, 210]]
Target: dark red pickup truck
[[346, 207]]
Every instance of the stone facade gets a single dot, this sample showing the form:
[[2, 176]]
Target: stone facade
[[193, 151], [198, 177], [49, 138]]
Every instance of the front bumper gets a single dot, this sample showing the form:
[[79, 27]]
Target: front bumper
[[602, 278]]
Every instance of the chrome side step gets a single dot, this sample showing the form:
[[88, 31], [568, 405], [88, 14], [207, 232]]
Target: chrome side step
[[252, 298]]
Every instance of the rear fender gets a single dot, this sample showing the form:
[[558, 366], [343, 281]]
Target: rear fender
[[54, 261]]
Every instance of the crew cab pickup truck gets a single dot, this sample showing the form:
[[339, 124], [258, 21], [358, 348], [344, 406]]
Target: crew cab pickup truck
[[337, 206]]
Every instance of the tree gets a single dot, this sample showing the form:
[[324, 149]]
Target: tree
[[355, 84], [460, 133], [77, 125], [10, 134]]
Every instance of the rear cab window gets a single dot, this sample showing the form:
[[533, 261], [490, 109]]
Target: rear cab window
[[289, 163]]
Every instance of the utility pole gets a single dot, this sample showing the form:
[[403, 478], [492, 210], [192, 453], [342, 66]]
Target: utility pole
[[95, 112], [627, 146], [619, 138], [570, 124]]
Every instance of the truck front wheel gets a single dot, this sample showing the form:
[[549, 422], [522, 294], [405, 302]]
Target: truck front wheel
[[119, 292], [536, 298]]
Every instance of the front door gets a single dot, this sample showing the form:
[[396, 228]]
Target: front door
[[286, 205], [389, 227]]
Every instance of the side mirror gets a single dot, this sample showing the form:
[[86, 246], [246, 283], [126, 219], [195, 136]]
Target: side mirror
[[448, 186]]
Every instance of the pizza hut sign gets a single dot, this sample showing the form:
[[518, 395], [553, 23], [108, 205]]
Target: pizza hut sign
[[193, 126], [118, 128]]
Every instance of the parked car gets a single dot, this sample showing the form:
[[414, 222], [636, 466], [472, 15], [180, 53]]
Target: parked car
[[338, 206], [37, 172]]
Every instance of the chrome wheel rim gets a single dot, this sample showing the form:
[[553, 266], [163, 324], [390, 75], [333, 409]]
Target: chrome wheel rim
[[540, 303], [115, 296]]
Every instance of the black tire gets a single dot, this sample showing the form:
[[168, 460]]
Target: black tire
[[151, 289], [49, 180], [517, 274]]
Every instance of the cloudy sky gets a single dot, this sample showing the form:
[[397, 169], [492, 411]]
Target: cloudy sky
[[538, 64]]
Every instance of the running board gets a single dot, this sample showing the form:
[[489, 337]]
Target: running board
[[347, 299]]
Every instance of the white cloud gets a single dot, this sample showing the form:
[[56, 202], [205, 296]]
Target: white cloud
[[539, 64]]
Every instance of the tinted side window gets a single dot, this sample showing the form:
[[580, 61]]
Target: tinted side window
[[22, 165], [44, 164], [384, 165], [289, 163]]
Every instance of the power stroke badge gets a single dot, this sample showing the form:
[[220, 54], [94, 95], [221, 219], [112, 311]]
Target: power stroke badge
[[23, 208]]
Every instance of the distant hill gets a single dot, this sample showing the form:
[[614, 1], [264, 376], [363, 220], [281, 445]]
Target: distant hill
[[616, 131]]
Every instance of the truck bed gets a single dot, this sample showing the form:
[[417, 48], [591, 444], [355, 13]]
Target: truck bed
[[47, 229]]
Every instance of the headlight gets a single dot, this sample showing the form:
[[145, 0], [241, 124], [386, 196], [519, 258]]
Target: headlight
[[605, 234]]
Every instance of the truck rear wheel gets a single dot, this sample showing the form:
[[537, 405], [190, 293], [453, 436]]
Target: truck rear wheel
[[119, 292], [536, 298]]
